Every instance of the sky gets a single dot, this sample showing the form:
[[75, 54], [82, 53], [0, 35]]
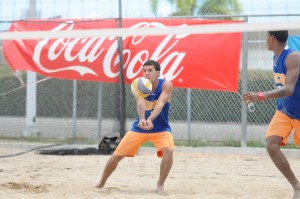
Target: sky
[[12, 9], [15, 9]]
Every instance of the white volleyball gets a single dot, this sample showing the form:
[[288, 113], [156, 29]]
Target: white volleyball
[[141, 86]]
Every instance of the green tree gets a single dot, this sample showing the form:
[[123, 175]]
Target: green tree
[[207, 7], [183, 7], [220, 7]]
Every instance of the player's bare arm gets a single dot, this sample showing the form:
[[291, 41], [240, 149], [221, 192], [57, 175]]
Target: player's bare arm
[[292, 74], [140, 107], [162, 100]]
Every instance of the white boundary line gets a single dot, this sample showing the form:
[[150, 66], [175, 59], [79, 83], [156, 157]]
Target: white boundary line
[[118, 32]]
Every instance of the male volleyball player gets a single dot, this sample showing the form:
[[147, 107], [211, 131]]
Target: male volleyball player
[[286, 67], [151, 125]]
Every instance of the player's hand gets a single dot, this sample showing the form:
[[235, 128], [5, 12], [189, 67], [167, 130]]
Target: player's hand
[[250, 97], [142, 124], [145, 124], [149, 124]]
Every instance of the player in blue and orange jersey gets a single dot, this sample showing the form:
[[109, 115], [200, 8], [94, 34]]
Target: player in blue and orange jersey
[[286, 67], [152, 125]]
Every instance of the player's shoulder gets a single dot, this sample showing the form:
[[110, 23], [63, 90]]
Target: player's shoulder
[[293, 59], [295, 54], [292, 51], [167, 84]]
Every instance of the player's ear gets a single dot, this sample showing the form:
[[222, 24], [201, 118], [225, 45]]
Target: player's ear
[[273, 37]]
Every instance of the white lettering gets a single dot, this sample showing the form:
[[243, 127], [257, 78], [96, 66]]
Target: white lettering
[[84, 51], [82, 70]]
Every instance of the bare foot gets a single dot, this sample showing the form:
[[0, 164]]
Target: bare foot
[[296, 194], [160, 189], [99, 185]]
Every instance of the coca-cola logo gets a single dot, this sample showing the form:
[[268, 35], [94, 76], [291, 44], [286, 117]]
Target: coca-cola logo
[[95, 50]]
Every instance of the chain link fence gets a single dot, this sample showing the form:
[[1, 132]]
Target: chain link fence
[[89, 110]]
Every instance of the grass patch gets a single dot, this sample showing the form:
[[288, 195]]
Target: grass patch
[[228, 143], [254, 143], [290, 146], [201, 143], [184, 143], [148, 144], [204, 143]]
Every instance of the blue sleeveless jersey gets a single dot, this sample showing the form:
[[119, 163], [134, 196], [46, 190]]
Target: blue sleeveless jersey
[[289, 105], [161, 122]]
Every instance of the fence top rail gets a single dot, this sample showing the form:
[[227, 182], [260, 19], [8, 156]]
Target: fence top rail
[[235, 16]]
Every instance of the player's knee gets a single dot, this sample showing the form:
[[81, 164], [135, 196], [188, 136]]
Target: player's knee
[[272, 145], [116, 158], [168, 154]]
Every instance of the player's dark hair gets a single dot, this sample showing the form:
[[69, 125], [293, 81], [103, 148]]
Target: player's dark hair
[[281, 36], [154, 63]]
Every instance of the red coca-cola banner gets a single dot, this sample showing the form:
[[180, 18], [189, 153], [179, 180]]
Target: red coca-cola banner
[[202, 61]]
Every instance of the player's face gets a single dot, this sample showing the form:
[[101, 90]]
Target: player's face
[[150, 73], [269, 39]]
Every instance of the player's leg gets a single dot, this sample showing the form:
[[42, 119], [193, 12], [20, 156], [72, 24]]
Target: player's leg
[[273, 147], [128, 146], [277, 135], [164, 145], [109, 168], [296, 127], [165, 167]]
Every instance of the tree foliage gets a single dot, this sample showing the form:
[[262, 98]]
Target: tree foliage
[[207, 7], [220, 7]]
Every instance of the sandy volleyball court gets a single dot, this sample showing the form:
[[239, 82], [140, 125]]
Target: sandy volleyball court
[[195, 174]]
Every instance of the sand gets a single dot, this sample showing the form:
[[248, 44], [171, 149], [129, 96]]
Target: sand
[[195, 174]]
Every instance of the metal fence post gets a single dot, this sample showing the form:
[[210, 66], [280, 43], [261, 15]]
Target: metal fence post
[[122, 78], [244, 86], [99, 114], [189, 114], [31, 94], [74, 129]]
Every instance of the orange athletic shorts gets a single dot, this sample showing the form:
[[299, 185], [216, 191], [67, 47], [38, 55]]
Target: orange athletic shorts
[[132, 141], [282, 125]]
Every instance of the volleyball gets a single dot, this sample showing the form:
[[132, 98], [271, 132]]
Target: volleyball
[[141, 86]]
